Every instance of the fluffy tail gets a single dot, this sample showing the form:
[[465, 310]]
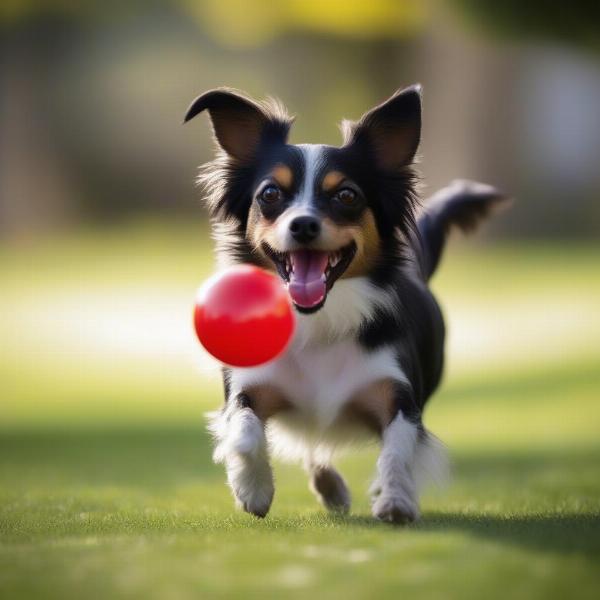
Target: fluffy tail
[[463, 204]]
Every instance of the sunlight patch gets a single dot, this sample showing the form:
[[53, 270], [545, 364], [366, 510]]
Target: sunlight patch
[[295, 576]]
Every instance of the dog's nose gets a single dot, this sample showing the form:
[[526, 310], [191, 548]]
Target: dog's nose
[[305, 229]]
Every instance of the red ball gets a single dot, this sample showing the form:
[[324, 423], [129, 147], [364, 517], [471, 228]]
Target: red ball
[[243, 316]]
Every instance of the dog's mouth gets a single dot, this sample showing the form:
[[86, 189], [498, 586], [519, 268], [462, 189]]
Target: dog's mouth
[[310, 274]]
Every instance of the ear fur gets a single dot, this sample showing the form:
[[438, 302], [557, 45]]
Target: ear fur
[[241, 125], [391, 131]]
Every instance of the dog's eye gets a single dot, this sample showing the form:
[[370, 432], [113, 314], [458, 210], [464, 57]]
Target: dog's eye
[[270, 194], [346, 197]]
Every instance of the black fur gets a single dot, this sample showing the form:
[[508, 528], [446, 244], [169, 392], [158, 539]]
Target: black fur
[[377, 156], [463, 204]]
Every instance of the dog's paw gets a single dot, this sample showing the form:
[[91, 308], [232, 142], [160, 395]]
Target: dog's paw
[[255, 500], [375, 489], [399, 509], [252, 486], [330, 489]]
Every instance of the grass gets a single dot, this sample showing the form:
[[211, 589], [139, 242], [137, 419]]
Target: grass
[[106, 484]]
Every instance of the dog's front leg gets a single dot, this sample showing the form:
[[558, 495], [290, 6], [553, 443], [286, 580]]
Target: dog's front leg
[[242, 447], [394, 490]]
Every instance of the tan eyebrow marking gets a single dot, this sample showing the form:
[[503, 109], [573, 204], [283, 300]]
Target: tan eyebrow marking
[[332, 180], [283, 176]]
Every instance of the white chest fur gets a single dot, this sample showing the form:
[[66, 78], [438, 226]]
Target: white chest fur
[[319, 380], [322, 370], [324, 365]]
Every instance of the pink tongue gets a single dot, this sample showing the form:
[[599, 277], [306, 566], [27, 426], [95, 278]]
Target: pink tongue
[[307, 281]]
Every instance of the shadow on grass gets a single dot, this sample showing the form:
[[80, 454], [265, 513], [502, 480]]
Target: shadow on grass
[[560, 533], [164, 460], [138, 458]]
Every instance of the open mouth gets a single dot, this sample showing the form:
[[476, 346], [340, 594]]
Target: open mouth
[[310, 274]]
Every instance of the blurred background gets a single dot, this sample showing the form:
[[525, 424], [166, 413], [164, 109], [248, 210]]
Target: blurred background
[[103, 238], [106, 483]]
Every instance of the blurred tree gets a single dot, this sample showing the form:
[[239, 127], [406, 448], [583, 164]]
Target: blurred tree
[[253, 22], [93, 92], [247, 22], [576, 22]]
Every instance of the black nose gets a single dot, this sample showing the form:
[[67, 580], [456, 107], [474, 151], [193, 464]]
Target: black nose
[[305, 229]]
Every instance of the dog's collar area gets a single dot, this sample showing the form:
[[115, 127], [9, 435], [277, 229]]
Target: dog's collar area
[[310, 274]]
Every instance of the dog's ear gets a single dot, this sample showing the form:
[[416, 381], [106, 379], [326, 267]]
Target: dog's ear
[[391, 131], [240, 125]]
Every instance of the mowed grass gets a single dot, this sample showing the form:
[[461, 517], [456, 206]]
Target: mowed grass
[[106, 484]]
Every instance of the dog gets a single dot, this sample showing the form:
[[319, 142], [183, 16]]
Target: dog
[[343, 229]]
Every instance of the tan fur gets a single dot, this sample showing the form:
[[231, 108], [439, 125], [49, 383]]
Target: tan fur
[[332, 180], [257, 231], [333, 237], [368, 242], [373, 406], [266, 401], [261, 231], [283, 176]]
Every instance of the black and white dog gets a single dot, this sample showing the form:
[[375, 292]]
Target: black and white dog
[[342, 228]]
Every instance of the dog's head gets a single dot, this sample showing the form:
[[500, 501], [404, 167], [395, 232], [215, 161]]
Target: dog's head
[[312, 213]]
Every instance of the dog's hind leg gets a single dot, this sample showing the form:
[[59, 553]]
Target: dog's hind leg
[[329, 487], [242, 447], [394, 490]]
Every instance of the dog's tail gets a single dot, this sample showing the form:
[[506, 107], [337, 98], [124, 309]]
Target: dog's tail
[[463, 204]]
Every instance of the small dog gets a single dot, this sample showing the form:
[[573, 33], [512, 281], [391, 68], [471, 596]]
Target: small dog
[[340, 226]]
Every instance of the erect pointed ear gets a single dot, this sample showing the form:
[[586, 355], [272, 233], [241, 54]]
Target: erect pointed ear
[[240, 125], [390, 131]]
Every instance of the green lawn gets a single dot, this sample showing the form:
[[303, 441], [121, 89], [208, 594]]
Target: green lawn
[[106, 484]]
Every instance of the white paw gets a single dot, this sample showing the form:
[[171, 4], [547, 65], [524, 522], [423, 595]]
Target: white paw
[[251, 481], [398, 508], [255, 500], [375, 489]]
